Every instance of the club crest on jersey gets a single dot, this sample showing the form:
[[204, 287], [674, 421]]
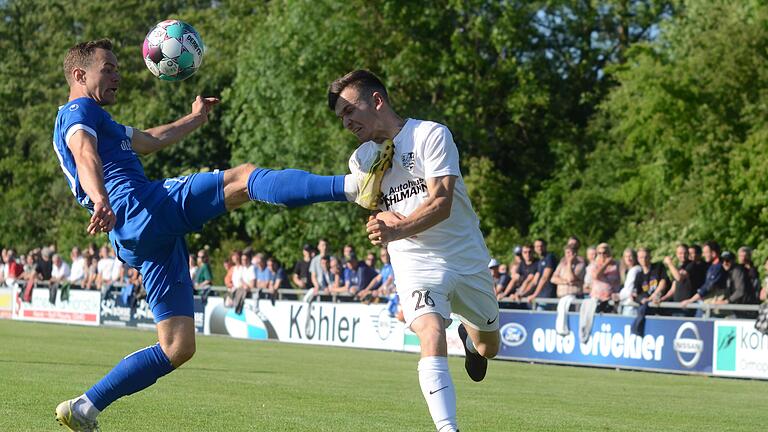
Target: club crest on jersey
[[74, 107], [407, 160]]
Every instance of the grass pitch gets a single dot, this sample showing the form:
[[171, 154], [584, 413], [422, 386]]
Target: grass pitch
[[238, 385]]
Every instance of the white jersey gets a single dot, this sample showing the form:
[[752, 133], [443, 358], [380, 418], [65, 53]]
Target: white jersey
[[423, 150]]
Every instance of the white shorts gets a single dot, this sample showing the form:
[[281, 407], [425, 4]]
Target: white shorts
[[441, 291]]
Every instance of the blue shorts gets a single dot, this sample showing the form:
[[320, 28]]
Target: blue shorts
[[149, 235]]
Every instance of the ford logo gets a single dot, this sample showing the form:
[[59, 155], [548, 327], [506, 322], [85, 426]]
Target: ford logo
[[513, 334]]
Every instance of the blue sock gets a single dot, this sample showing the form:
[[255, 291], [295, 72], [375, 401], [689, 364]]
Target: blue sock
[[135, 372], [294, 188]]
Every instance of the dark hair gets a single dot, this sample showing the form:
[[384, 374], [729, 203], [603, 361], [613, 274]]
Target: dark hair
[[79, 56], [543, 242], [696, 248], [713, 246], [362, 80], [684, 246]]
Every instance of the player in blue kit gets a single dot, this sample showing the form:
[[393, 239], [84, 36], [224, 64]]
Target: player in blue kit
[[147, 220]]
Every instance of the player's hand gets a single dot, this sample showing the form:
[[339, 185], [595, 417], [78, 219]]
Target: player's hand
[[202, 106], [380, 227], [102, 220]]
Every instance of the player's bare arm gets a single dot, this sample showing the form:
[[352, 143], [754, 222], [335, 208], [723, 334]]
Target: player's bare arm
[[156, 138], [387, 226], [91, 174]]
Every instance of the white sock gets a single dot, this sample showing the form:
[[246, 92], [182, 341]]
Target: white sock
[[470, 345], [437, 388], [85, 407], [350, 187]]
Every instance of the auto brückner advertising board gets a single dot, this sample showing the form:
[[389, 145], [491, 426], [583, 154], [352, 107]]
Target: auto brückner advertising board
[[81, 307], [322, 323], [667, 344], [740, 350]]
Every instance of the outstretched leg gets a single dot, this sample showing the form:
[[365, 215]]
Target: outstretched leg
[[291, 187]]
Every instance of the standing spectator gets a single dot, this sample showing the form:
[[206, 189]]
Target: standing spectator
[[652, 281], [526, 272], [738, 288], [263, 274], [764, 291], [203, 277], [314, 265], [713, 288], [78, 269], [543, 286], [605, 279], [697, 270], [230, 267], [681, 288], [29, 275], [59, 278], [278, 279], [302, 278], [569, 274], [627, 294], [745, 259]]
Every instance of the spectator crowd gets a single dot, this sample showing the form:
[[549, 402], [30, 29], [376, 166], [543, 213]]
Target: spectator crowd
[[697, 273]]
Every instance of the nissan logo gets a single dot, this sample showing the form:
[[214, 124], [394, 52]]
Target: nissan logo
[[513, 334], [692, 344]]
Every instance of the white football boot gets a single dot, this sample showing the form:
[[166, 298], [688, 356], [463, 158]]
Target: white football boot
[[70, 418]]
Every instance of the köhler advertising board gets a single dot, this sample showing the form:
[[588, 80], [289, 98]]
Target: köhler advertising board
[[740, 350], [668, 344], [340, 324]]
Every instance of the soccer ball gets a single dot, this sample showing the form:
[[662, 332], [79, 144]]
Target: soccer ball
[[173, 50]]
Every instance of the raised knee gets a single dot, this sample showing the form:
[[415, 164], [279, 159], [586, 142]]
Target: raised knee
[[488, 351], [181, 353]]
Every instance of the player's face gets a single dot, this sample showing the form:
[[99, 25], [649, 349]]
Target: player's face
[[102, 77], [358, 115]]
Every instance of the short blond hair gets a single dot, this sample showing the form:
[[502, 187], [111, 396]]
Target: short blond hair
[[79, 56]]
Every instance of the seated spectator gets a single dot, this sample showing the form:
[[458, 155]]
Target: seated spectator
[[523, 277], [652, 281], [203, 277], [504, 276], [301, 277], [338, 285], [29, 276], [325, 278], [45, 271], [104, 278], [542, 286], [493, 268], [370, 280], [13, 270], [738, 289], [263, 274], [569, 274], [745, 260], [279, 280], [192, 264], [591, 256], [605, 279], [59, 279], [713, 288], [351, 275], [91, 272], [627, 294], [78, 269]]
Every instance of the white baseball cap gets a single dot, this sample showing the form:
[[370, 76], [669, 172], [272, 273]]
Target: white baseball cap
[[493, 263]]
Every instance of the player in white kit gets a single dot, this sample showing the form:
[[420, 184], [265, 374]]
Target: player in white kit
[[424, 217]]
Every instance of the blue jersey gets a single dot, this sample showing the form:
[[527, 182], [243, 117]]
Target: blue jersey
[[122, 169]]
